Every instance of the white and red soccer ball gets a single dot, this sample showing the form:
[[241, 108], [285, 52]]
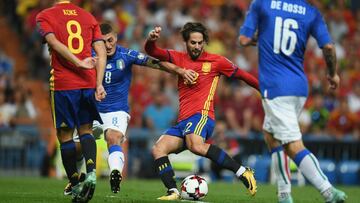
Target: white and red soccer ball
[[193, 187]]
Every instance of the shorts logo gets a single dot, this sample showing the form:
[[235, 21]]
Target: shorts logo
[[63, 125], [108, 66], [120, 64], [206, 67]]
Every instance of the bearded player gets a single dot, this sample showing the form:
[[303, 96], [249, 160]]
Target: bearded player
[[196, 117]]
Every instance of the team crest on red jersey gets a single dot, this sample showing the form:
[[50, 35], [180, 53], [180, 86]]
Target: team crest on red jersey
[[206, 67]]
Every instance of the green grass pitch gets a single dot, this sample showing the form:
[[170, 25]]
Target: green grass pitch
[[37, 190]]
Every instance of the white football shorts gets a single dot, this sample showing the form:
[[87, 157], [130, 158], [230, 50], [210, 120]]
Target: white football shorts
[[118, 120], [281, 117]]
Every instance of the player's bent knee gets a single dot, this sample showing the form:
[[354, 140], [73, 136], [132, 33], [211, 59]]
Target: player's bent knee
[[197, 149], [155, 150], [158, 151]]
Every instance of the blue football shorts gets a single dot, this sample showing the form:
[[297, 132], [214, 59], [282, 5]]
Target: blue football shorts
[[197, 124], [73, 108]]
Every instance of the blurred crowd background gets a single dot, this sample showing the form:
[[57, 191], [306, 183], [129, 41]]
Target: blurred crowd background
[[330, 122]]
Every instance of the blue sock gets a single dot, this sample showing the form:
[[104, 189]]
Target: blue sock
[[88, 146], [68, 156]]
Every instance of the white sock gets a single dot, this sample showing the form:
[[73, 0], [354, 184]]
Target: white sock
[[174, 190], [240, 171], [280, 164], [116, 158], [309, 166], [116, 161]]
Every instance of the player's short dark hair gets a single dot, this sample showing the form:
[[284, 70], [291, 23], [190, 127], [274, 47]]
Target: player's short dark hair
[[105, 28], [191, 27]]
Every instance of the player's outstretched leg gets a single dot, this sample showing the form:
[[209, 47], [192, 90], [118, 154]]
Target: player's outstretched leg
[[309, 166], [167, 175], [246, 175]]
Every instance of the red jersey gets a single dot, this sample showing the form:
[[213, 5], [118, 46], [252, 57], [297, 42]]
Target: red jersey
[[197, 98], [77, 29]]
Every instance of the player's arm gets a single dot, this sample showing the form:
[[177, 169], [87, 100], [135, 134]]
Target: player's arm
[[152, 49], [246, 77], [229, 69], [248, 34], [99, 48], [320, 32], [329, 54], [188, 75], [61, 49]]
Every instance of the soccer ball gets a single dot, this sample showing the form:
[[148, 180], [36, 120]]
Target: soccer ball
[[193, 187]]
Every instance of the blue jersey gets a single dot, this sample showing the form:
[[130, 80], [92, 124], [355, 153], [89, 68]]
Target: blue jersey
[[117, 79], [283, 30]]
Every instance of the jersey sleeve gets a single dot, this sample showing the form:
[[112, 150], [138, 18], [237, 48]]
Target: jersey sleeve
[[97, 36], [229, 69], [319, 30], [153, 50], [251, 21], [173, 55], [43, 24], [226, 67], [137, 58]]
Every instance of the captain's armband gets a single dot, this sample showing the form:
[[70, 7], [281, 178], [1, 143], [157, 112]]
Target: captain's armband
[[153, 63]]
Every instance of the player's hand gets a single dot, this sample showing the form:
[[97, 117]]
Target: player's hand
[[190, 77], [88, 63], [100, 93], [154, 34], [334, 81]]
